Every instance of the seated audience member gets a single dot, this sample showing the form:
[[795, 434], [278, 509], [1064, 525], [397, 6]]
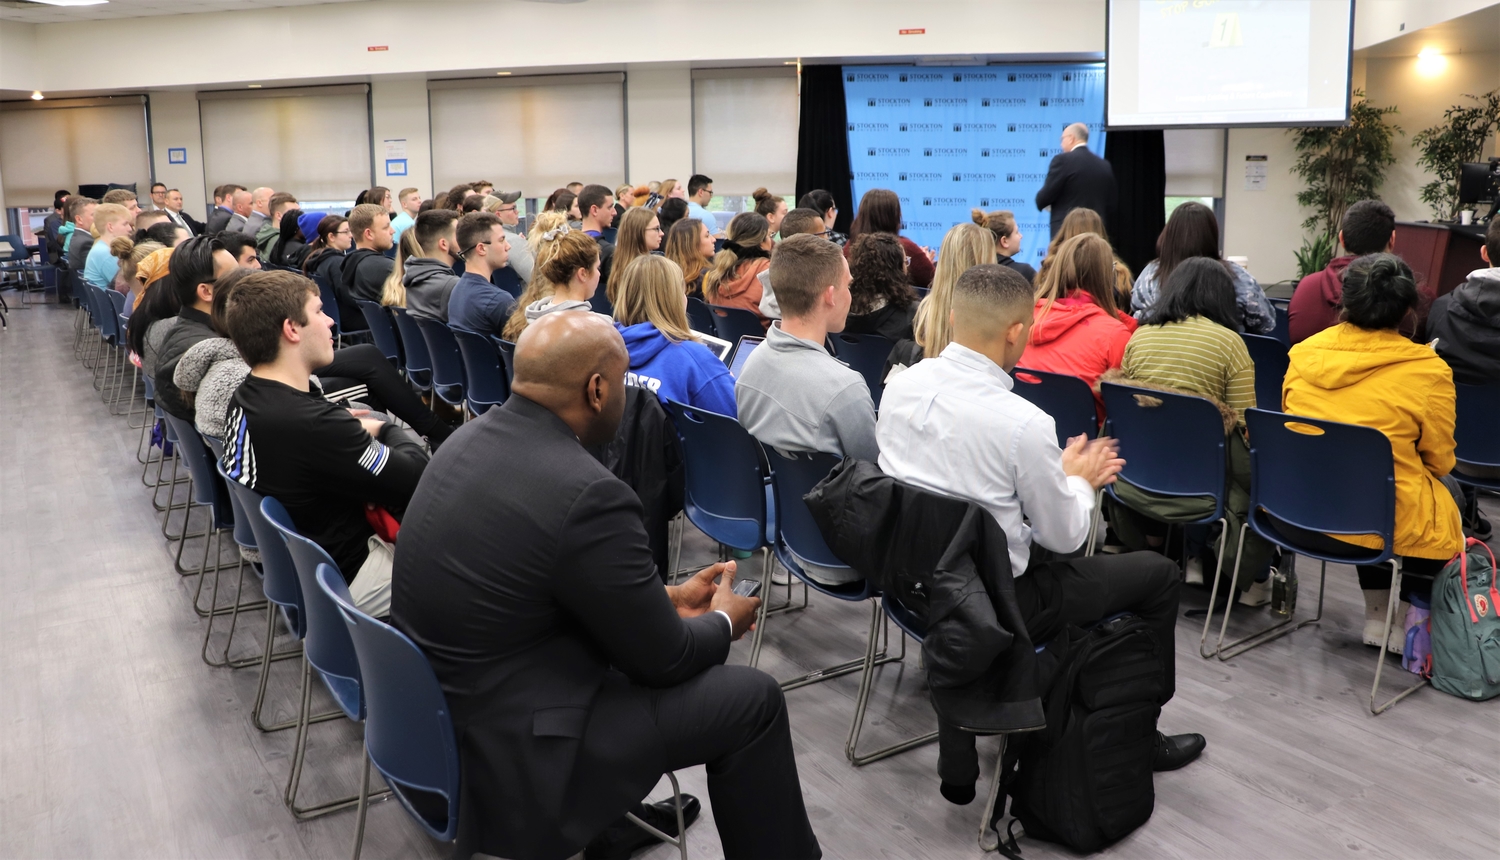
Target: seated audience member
[[882, 300], [429, 278], [472, 203], [154, 317], [794, 223], [476, 304], [147, 218], [732, 280], [457, 195], [665, 356], [365, 268], [952, 425], [290, 247], [639, 235], [964, 247], [670, 212], [212, 368], [325, 256], [393, 291], [566, 277], [284, 440], [123, 197], [1078, 330], [163, 233], [268, 235], [597, 206], [1364, 371], [624, 199], [179, 217], [1189, 345], [691, 247], [1368, 227], [111, 221], [52, 225], [247, 216], [504, 206], [379, 196], [76, 233], [196, 266], [821, 201], [241, 246], [700, 190], [129, 255], [1002, 222], [410, 202], [551, 626], [565, 201], [1077, 222], [1193, 231], [880, 212], [771, 206], [546, 224]]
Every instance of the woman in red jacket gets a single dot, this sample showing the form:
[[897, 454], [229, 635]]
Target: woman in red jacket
[[1079, 330], [880, 212]]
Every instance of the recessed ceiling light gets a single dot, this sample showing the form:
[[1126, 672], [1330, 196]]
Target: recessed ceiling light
[[502, 73], [36, 95], [254, 86], [71, 2]]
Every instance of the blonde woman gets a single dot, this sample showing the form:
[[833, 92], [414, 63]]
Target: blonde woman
[[690, 246], [545, 223], [665, 356], [1002, 222], [393, 293], [1076, 223], [566, 276], [639, 234], [733, 280], [965, 246]]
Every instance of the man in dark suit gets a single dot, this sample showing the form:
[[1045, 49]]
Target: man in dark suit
[[1077, 178], [223, 209], [179, 217], [576, 679]]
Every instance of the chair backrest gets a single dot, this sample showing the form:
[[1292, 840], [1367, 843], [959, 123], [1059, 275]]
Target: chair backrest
[[1477, 430], [731, 324], [16, 252], [243, 534], [418, 362], [281, 586], [700, 318], [408, 727], [483, 370], [509, 280], [725, 487], [99, 307], [600, 302], [1322, 476], [1068, 399], [330, 301], [794, 477], [381, 330], [1173, 444], [865, 353], [1282, 331], [191, 446], [117, 313], [326, 642], [507, 358], [442, 348], [1271, 362]]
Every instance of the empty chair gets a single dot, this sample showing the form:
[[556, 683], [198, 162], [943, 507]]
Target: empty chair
[[382, 331], [1270, 357], [414, 347], [447, 361], [487, 384], [735, 323], [865, 353]]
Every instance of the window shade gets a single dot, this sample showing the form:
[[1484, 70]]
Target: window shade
[[533, 134], [65, 143], [313, 142], [1195, 162], [745, 128]]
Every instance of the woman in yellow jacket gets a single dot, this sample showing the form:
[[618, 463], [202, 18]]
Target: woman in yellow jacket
[[1363, 371]]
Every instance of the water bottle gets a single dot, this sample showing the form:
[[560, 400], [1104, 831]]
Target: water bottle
[[1283, 592]]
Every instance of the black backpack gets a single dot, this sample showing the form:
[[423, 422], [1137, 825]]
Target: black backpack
[[1085, 780]]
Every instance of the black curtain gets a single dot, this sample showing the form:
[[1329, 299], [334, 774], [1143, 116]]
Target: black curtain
[[1139, 161], [823, 140]]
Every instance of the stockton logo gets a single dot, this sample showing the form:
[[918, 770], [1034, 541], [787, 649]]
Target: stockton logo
[[944, 152], [864, 77], [1015, 77], [1025, 177], [921, 126], [920, 76], [1044, 152], [1002, 103], [973, 177], [887, 151], [1002, 152], [870, 175], [944, 201], [1061, 101], [924, 225], [1012, 202], [915, 176], [887, 102], [1028, 126], [871, 126], [1094, 75], [1095, 126], [974, 126], [959, 77], [958, 102]]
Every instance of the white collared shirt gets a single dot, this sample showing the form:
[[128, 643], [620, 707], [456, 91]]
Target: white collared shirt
[[953, 425]]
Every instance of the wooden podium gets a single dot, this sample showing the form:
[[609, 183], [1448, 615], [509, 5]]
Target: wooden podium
[[1441, 255]]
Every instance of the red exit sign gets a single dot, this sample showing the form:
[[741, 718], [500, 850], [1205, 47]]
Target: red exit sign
[[378, 48], [914, 31]]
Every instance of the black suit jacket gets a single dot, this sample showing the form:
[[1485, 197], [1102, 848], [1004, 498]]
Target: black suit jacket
[[1077, 179], [193, 224], [524, 573], [218, 219]]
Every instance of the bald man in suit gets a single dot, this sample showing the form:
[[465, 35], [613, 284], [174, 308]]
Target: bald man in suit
[[1077, 179]]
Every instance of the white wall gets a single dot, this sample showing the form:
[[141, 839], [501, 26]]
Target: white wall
[[398, 110], [17, 50], [659, 122], [1376, 21], [174, 125], [1263, 225]]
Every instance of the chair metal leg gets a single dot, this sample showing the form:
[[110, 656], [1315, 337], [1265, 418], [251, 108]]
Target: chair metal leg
[[1094, 521], [680, 842], [364, 805], [1226, 650], [760, 620], [1380, 658], [294, 779], [1213, 593], [265, 674], [862, 702], [989, 840], [819, 675]]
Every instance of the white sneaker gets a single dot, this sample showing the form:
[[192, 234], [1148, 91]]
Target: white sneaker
[[1258, 594], [1194, 571], [779, 576]]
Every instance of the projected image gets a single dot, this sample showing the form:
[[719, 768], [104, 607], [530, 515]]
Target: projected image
[[1234, 54]]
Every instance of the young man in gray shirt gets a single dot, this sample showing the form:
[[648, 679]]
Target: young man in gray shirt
[[793, 395]]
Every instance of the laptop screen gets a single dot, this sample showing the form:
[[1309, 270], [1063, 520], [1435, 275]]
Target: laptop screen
[[747, 346]]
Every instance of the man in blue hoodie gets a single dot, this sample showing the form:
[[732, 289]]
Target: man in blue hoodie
[[476, 304]]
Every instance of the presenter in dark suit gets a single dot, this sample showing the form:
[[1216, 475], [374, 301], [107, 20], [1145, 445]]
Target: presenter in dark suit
[[1077, 177], [575, 678]]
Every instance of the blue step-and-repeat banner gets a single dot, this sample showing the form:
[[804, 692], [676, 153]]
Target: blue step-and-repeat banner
[[952, 139]]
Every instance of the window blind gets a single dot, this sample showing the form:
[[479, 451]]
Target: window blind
[[745, 128], [64, 143], [311, 141]]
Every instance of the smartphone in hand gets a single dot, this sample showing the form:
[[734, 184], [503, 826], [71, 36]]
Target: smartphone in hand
[[747, 587]]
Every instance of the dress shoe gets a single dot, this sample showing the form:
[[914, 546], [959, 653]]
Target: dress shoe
[[623, 838], [1174, 751]]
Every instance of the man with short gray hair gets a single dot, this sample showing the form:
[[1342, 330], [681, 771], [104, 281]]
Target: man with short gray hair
[[1077, 179]]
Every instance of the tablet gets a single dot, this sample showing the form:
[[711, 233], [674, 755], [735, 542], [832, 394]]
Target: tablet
[[747, 346], [719, 347]]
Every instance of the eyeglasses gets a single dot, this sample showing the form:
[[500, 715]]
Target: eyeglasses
[[505, 209], [343, 233], [655, 230], [825, 233]]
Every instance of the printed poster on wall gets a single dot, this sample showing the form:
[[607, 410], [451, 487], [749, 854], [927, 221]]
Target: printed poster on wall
[[948, 140]]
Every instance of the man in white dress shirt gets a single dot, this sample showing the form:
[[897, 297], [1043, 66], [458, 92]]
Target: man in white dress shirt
[[952, 425]]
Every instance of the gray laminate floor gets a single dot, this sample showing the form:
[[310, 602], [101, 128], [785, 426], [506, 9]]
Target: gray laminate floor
[[117, 742]]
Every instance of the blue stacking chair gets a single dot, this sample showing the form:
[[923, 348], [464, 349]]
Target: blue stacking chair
[[244, 539], [382, 331], [731, 324], [1293, 461], [326, 647], [1477, 432], [600, 302], [1068, 399], [408, 726], [509, 280], [1271, 363], [1282, 331], [414, 347], [330, 306], [507, 358], [121, 319], [865, 353], [483, 371], [1173, 445], [700, 318], [726, 493], [202, 492], [447, 362]]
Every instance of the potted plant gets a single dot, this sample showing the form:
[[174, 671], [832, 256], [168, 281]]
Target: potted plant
[[1341, 166], [1458, 139]]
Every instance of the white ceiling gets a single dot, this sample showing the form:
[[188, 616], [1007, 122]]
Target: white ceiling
[[37, 13], [1473, 33]]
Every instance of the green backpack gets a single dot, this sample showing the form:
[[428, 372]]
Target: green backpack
[[1466, 625]]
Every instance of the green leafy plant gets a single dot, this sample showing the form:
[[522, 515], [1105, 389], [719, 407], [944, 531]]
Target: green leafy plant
[[1314, 255], [1343, 164], [1459, 138]]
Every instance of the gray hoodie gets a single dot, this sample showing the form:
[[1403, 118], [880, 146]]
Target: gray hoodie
[[429, 283], [542, 307]]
